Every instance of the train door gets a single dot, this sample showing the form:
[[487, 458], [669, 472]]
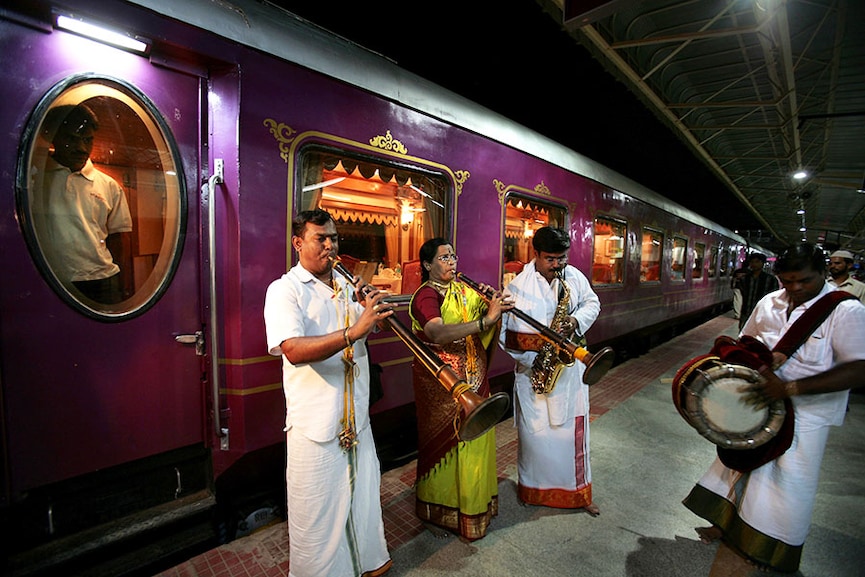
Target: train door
[[101, 342]]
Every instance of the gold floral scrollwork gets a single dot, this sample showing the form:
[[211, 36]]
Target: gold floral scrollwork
[[461, 177], [388, 142], [501, 188], [542, 188], [283, 133]]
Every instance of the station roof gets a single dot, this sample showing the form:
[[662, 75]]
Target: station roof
[[759, 90], [741, 94]]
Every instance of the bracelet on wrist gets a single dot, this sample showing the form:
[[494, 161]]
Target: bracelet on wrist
[[481, 325], [348, 341], [791, 388]]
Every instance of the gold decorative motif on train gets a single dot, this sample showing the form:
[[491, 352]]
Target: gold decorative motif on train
[[388, 142]]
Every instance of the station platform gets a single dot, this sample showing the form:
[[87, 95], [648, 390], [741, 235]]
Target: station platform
[[645, 459]]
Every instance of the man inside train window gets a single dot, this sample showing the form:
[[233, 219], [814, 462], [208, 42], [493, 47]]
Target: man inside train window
[[82, 216], [551, 399]]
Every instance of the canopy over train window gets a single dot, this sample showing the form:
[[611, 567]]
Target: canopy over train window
[[523, 216], [384, 212], [101, 197]]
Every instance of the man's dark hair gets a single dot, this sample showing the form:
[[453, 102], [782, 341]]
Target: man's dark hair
[[316, 216], [757, 255], [799, 257], [428, 252], [549, 239], [71, 116]]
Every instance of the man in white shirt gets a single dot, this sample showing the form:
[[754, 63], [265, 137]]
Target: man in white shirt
[[84, 210], [333, 476], [764, 515]]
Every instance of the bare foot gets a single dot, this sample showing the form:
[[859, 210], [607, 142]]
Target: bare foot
[[592, 509], [709, 534], [437, 531]]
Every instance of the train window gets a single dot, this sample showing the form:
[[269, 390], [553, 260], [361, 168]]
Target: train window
[[384, 213], [101, 196], [699, 255], [650, 256], [713, 261], [608, 251], [678, 259], [523, 216]]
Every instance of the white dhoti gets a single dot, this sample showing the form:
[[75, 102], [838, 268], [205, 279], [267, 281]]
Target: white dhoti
[[335, 524], [766, 514], [553, 443]]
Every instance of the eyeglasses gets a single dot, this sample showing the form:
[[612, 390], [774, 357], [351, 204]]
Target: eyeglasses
[[448, 258], [555, 259]]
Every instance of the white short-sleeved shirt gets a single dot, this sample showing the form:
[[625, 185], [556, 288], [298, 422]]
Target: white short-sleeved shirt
[[82, 209], [299, 305], [840, 339]]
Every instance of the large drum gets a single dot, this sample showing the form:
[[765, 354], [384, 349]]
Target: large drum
[[706, 394]]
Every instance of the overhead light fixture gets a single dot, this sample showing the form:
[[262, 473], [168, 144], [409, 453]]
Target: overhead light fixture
[[800, 175], [803, 229], [424, 194], [324, 184], [800, 211], [101, 34]]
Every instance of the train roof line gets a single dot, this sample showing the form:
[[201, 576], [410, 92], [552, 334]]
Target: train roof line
[[295, 39]]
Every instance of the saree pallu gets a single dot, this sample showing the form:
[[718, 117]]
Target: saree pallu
[[457, 486]]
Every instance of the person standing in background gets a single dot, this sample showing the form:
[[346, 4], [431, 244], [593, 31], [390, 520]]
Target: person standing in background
[[756, 284], [840, 265]]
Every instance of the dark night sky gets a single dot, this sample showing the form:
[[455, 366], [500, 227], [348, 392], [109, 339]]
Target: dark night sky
[[511, 57]]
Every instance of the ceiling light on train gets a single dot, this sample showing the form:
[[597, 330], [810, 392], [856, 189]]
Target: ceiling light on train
[[422, 193], [800, 174], [324, 184], [101, 34]]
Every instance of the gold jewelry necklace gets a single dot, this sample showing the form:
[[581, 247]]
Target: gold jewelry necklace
[[441, 287]]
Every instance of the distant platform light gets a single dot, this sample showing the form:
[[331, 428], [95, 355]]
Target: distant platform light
[[101, 34], [800, 211], [800, 175]]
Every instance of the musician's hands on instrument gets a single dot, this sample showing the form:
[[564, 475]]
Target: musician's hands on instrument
[[569, 326], [769, 389], [498, 304], [375, 309]]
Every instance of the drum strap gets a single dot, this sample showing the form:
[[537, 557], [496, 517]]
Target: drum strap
[[812, 318]]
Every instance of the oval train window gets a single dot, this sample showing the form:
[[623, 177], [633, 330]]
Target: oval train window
[[101, 197]]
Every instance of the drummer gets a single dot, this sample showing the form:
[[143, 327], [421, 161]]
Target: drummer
[[763, 516]]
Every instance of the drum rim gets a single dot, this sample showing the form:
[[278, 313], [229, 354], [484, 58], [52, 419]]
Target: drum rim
[[771, 424]]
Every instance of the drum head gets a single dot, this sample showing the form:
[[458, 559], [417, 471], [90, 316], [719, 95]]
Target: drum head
[[715, 407]]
